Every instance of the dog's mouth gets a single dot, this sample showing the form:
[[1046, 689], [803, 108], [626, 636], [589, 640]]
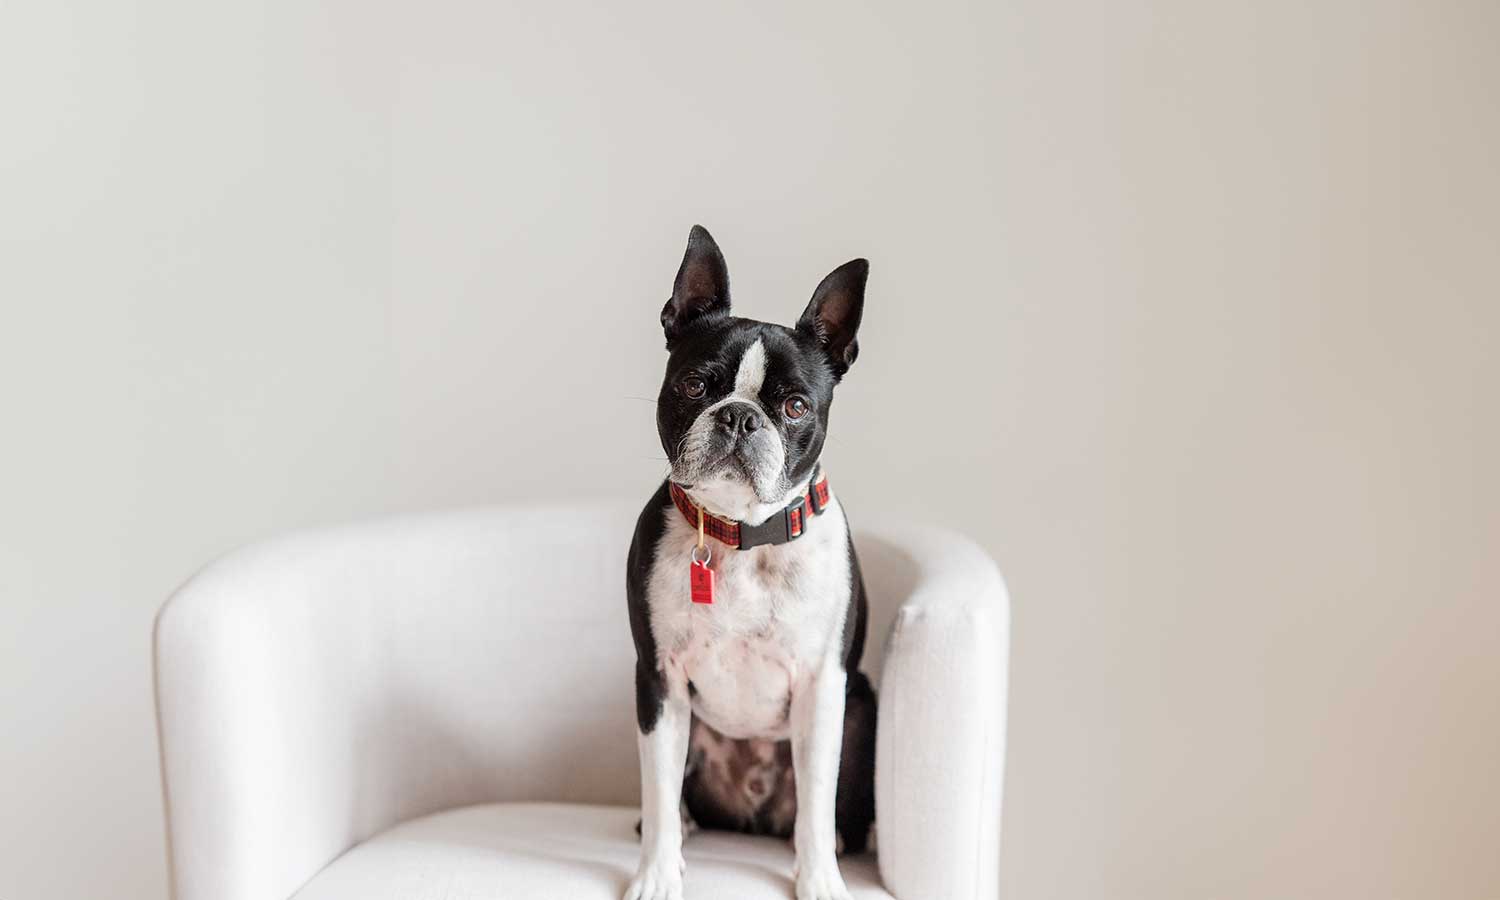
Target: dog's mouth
[[731, 462], [737, 464], [710, 458]]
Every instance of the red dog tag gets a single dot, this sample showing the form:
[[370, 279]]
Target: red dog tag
[[701, 579]]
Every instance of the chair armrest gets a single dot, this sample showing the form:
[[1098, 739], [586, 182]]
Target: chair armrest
[[940, 752], [251, 813]]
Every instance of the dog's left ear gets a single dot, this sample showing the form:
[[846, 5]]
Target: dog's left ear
[[832, 316]]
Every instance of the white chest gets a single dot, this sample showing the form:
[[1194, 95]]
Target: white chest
[[778, 614]]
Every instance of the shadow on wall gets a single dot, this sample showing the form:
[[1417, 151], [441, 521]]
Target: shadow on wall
[[890, 576]]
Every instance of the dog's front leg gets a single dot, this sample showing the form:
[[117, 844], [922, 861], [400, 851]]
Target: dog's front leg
[[817, 729], [664, 718]]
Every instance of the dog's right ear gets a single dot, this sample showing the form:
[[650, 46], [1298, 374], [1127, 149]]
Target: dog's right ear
[[701, 290]]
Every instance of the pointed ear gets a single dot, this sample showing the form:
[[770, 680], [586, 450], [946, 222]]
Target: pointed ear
[[833, 314], [702, 286]]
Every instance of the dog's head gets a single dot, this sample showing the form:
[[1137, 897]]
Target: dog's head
[[743, 409]]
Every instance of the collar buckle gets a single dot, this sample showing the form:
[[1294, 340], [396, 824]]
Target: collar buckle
[[775, 530]]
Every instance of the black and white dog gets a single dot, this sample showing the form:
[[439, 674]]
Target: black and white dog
[[746, 602]]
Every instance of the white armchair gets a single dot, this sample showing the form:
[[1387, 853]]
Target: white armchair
[[441, 706]]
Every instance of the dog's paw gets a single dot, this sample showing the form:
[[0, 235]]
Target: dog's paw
[[658, 879], [821, 882]]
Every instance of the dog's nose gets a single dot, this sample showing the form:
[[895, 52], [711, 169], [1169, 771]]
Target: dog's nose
[[740, 418]]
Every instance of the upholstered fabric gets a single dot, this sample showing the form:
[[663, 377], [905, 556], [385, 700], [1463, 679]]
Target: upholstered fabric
[[317, 689], [575, 852]]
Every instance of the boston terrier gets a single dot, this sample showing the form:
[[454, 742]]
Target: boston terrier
[[746, 602]]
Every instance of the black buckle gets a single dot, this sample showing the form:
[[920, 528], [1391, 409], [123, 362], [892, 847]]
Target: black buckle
[[775, 530]]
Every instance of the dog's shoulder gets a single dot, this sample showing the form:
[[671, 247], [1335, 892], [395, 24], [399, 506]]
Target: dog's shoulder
[[649, 527]]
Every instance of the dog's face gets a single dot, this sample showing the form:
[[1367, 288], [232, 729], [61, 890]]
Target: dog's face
[[743, 410]]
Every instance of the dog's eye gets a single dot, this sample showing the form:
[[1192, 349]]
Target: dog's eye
[[694, 387], [794, 407]]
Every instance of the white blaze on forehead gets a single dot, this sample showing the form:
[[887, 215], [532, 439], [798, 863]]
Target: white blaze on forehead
[[752, 371]]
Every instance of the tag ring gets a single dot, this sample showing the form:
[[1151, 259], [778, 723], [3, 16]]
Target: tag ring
[[708, 554]]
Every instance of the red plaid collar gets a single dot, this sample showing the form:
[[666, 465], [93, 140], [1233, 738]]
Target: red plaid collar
[[786, 525]]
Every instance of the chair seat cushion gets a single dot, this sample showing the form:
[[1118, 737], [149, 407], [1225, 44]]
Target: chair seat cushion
[[530, 851]]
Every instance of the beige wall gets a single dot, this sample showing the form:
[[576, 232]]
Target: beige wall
[[1191, 307]]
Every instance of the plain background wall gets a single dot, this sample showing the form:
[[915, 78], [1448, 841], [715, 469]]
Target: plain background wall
[[1186, 310]]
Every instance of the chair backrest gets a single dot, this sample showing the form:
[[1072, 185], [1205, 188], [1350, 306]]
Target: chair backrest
[[318, 687]]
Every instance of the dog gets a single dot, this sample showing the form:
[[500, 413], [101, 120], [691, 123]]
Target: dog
[[746, 603]]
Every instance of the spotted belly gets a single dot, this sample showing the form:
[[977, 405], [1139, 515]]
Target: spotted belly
[[739, 785]]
